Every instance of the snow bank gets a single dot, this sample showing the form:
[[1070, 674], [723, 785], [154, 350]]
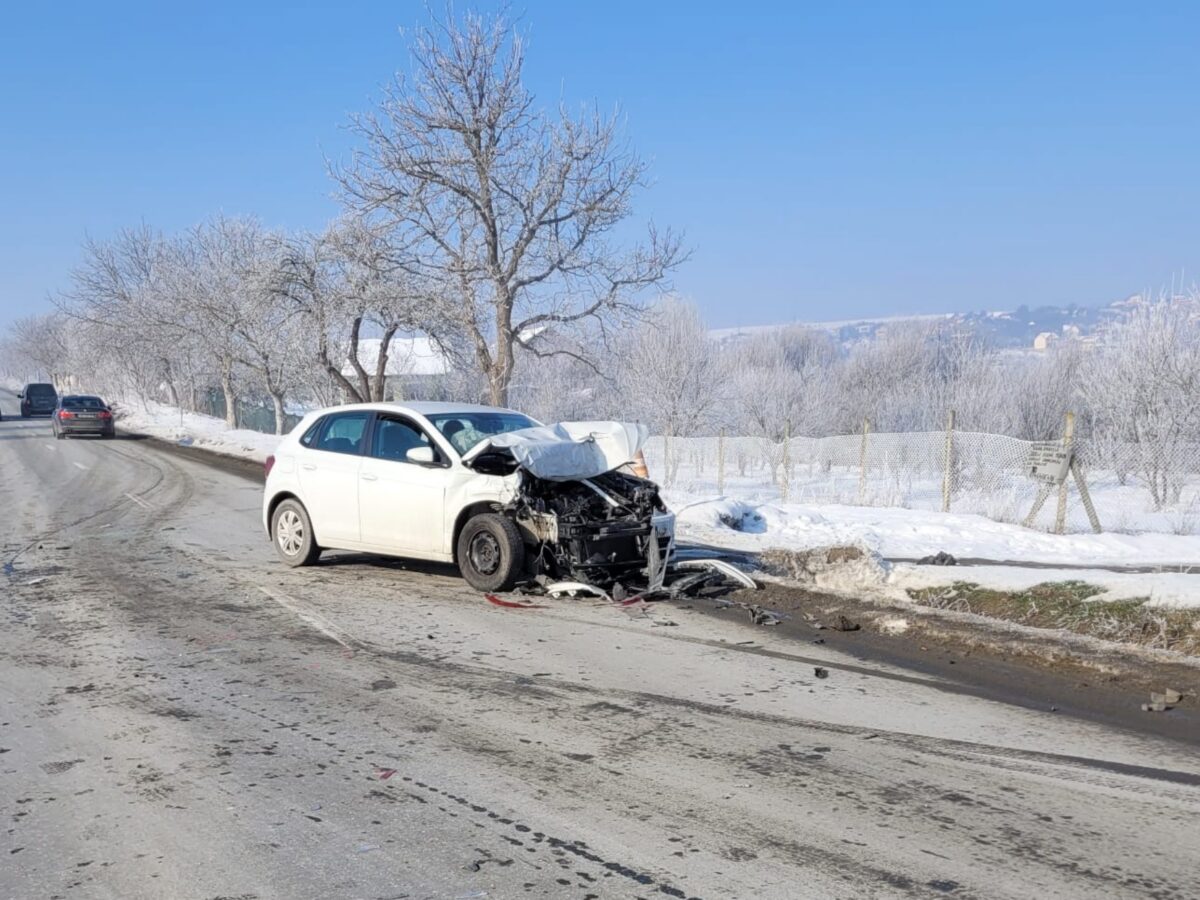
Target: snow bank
[[912, 534], [192, 429]]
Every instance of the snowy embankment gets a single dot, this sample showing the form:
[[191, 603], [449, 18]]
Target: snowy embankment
[[748, 524], [907, 534], [168, 423]]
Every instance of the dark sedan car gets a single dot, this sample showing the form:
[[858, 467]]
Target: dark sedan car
[[82, 414], [38, 400]]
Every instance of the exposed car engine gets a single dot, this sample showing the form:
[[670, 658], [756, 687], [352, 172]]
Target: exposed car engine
[[596, 531]]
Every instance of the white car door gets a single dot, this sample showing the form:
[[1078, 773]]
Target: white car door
[[402, 489], [328, 469]]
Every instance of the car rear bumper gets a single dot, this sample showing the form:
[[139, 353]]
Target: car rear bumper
[[86, 427]]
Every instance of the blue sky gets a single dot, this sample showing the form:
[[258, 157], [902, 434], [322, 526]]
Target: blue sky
[[826, 160]]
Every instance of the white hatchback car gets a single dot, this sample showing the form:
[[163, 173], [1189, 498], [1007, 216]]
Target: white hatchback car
[[488, 489]]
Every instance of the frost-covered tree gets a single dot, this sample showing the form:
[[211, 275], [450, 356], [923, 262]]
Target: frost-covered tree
[[355, 294], [507, 212], [1143, 386], [669, 371]]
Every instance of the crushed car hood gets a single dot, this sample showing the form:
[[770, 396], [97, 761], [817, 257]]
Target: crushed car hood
[[568, 451]]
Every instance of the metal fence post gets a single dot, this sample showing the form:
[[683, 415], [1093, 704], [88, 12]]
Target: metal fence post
[[948, 476], [721, 462], [785, 476], [862, 464], [1060, 518]]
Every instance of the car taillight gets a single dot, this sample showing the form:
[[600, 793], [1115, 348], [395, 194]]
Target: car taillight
[[268, 466], [104, 414], [65, 414]]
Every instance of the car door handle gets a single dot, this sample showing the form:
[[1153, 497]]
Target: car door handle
[[309, 467], [367, 476]]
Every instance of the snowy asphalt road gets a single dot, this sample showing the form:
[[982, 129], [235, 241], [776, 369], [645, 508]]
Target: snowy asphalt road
[[182, 717]]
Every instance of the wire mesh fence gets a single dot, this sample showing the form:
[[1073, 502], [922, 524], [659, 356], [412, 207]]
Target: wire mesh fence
[[1135, 487]]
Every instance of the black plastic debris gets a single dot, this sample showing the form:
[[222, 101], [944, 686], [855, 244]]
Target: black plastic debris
[[821, 672], [941, 558]]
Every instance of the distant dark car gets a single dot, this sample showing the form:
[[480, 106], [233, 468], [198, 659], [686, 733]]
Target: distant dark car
[[38, 400], [82, 414]]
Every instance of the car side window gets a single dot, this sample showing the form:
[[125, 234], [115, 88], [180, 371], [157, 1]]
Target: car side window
[[342, 433], [310, 436], [395, 437]]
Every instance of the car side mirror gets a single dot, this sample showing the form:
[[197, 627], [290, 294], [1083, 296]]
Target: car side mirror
[[21, 395], [420, 455]]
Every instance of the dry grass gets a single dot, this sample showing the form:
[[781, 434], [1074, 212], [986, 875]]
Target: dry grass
[[1065, 604]]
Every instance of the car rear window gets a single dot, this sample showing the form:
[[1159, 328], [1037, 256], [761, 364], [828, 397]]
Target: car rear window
[[342, 433], [41, 390], [82, 403]]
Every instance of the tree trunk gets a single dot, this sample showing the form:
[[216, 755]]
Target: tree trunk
[[277, 399], [379, 389], [230, 396], [501, 371], [348, 389], [364, 381]]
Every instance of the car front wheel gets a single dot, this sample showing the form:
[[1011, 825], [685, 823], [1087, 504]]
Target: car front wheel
[[292, 534], [491, 553]]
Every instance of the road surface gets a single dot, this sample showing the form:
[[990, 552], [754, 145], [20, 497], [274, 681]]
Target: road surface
[[183, 717]]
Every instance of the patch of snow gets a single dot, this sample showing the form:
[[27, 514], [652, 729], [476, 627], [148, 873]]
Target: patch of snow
[[1165, 589]]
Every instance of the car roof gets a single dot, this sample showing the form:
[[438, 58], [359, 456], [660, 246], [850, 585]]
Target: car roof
[[421, 407]]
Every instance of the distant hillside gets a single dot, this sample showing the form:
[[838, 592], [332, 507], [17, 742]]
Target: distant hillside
[[1018, 328]]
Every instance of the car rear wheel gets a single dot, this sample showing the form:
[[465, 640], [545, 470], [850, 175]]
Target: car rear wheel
[[60, 435], [292, 534], [491, 554]]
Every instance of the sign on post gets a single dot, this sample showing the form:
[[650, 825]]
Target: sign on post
[[1049, 462]]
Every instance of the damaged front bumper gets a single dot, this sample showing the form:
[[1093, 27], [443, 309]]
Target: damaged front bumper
[[596, 531]]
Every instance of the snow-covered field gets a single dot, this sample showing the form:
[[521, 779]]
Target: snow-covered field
[[746, 520]]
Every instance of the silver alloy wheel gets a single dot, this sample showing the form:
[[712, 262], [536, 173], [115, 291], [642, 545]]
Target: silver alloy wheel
[[289, 532]]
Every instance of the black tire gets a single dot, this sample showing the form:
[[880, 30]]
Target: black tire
[[292, 534], [491, 554], [60, 435], [108, 435]]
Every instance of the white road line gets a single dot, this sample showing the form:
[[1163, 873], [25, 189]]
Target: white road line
[[309, 618], [80, 465], [49, 446], [138, 500]]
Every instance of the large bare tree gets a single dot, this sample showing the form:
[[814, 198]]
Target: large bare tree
[[508, 211]]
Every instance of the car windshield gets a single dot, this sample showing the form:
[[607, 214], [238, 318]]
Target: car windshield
[[466, 429], [82, 403]]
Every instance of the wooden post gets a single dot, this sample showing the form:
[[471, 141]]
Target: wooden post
[[862, 464], [1085, 495], [785, 476], [1038, 502], [948, 476], [1060, 518], [721, 462]]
